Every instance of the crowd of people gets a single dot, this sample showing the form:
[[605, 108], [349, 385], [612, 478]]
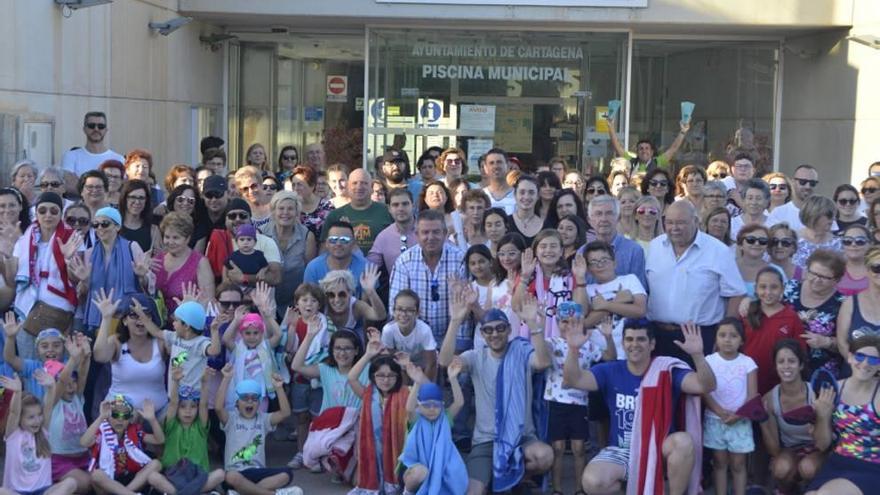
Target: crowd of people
[[426, 328]]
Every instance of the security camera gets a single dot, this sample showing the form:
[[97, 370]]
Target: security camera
[[169, 26]]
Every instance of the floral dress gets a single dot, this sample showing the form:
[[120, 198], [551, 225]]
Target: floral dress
[[821, 320], [314, 220]]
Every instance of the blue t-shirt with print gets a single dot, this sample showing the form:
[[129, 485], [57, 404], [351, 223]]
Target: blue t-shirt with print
[[620, 388]]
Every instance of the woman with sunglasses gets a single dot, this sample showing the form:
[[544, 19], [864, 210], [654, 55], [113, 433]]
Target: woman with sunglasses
[[596, 186], [344, 310], [818, 303], [647, 221], [271, 185], [856, 241], [870, 189], [847, 422], [817, 215], [717, 224], [751, 248], [689, 185], [658, 183], [314, 208], [451, 165], [717, 170], [846, 197], [780, 189], [781, 248], [860, 314], [185, 199], [288, 160], [176, 177], [137, 215]]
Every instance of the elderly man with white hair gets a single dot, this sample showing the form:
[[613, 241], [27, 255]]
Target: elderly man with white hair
[[604, 214]]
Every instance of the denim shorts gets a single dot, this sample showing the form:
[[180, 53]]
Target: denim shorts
[[304, 398], [736, 438]]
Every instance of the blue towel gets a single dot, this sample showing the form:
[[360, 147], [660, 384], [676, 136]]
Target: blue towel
[[118, 275], [430, 444], [508, 460]]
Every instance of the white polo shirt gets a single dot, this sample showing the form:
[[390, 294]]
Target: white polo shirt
[[692, 287]]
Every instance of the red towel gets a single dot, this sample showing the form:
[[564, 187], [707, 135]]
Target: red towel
[[393, 437], [218, 250]]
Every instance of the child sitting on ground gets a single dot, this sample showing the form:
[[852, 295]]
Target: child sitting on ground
[[246, 430], [247, 258], [119, 464]]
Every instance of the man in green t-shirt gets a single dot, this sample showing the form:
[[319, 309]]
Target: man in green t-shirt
[[366, 216], [645, 158]]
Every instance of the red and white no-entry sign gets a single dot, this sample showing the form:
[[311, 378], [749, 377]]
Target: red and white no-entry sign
[[337, 88]]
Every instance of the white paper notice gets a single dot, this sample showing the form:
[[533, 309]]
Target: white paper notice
[[477, 117], [475, 149]]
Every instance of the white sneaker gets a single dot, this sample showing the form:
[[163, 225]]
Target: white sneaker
[[296, 462], [290, 490], [231, 492]]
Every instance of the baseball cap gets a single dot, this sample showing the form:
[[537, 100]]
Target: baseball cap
[[392, 156], [191, 313], [248, 387], [494, 314], [215, 183]]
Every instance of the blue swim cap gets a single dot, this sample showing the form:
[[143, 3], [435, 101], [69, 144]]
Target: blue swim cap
[[248, 387], [191, 313], [111, 213], [430, 391]]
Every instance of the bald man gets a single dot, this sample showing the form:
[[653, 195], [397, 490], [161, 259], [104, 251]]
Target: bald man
[[692, 277], [366, 216]]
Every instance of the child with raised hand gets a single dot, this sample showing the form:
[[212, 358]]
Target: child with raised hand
[[251, 338], [433, 464], [119, 464], [186, 434], [66, 423], [383, 418], [730, 436], [49, 346], [246, 430], [27, 468]]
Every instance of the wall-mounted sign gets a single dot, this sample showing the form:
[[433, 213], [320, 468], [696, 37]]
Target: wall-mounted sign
[[477, 117], [337, 88], [541, 3]]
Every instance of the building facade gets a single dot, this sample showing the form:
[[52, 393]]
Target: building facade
[[790, 80]]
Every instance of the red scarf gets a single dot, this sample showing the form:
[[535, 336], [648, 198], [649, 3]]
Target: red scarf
[[393, 438], [62, 234]]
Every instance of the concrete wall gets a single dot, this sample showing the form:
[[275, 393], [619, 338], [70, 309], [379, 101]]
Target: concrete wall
[[105, 58]]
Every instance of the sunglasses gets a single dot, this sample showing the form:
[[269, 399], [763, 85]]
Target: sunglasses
[[102, 224], [718, 176], [249, 189], [658, 183], [48, 209], [185, 200], [869, 190], [213, 194], [229, 304], [435, 290], [339, 239], [875, 269], [498, 329], [137, 198], [598, 191], [781, 187], [53, 185], [289, 157], [249, 397], [435, 404], [270, 187], [453, 161], [752, 240], [804, 182], [335, 295], [861, 357], [120, 415], [237, 216], [77, 221], [858, 241], [845, 202], [96, 126], [647, 211], [781, 242]]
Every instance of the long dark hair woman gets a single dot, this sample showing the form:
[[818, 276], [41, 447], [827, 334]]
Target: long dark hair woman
[[288, 159], [565, 202], [135, 206], [185, 199], [658, 183]]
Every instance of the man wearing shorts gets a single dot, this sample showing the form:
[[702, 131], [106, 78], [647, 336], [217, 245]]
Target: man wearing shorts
[[619, 382]]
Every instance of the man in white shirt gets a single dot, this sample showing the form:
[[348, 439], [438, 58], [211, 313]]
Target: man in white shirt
[[499, 191], [95, 151], [692, 277], [805, 180]]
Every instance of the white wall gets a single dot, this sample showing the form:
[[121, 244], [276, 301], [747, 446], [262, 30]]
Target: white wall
[[105, 58]]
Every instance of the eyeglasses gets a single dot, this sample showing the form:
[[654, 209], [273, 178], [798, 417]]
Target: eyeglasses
[[249, 189], [334, 295], [249, 397], [47, 185], [869, 190], [435, 290], [713, 196], [48, 209], [752, 240], [453, 161], [229, 304], [270, 187], [289, 158], [213, 194], [875, 269], [339, 239], [92, 125], [832, 279], [598, 191], [643, 210], [858, 241], [120, 415], [405, 311], [658, 183], [343, 349], [804, 182], [102, 224], [185, 200], [845, 202], [237, 216], [860, 357], [781, 187], [384, 376], [77, 221], [787, 243], [94, 187], [499, 328], [431, 404], [139, 199], [599, 262]]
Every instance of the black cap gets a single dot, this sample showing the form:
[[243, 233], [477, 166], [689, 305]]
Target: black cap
[[393, 156], [49, 197], [210, 142], [238, 204], [215, 183]]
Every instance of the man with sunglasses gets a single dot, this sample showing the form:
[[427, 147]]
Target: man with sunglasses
[[214, 194], [339, 254], [366, 216], [805, 180], [222, 243], [95, 151]]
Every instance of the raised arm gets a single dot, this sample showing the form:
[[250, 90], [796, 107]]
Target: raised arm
[[572, 374], [530, 313], [88, 438], [452, 372], [283, 405], [174, 392], [204, 390], [262, 297], [458, 310], [527, 274], [220, 399], [106, 347], [579, 274], [702, 381], [10, 352], [13, 384], [824, 406], [676, 144], [232, 328], [299, 359], [50, 394], [418, 378], [371, 306], [606, 328], [148, 413], [374, 347], [615, 141]]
